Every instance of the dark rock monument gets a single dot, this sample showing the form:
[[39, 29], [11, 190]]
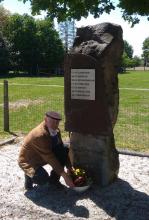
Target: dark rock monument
[[92, 99]]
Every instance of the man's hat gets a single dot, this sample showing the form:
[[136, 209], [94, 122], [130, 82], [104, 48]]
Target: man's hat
[[54, 115]]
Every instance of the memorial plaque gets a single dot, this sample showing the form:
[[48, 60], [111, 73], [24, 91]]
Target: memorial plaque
[[83, 84], [86, 109]]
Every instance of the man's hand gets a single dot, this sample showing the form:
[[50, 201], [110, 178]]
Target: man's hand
[[70, 170], [68, 179]]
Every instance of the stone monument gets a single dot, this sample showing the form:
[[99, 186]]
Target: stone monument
[[92, 99]]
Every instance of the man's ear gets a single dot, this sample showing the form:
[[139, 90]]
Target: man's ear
[[46, 119]]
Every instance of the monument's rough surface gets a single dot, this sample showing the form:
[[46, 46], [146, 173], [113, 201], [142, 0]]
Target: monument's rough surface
[[103, 42], [97, 153]]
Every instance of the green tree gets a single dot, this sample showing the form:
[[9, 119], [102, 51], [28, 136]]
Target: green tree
[[4, 16], [136, 61], [126, 61], [49, 44], [127, 58], [145, 50], [4, 56], [33, 44], [128, 49], [131, 9], [63, 10], [130, 62], [21, 33]]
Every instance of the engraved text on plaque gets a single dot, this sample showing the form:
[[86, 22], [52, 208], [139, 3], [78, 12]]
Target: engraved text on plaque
[[83, 84]]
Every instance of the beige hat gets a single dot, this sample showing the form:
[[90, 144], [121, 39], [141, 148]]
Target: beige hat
[[54, 115]]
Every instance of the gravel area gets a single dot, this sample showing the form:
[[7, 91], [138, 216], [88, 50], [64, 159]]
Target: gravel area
[[126, 199]]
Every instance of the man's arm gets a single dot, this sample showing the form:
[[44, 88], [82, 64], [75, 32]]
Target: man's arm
[[68, 179], [48, 156]]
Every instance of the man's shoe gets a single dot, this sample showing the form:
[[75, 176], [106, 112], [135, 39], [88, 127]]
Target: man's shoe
[[53, 181], [56, 184], [28, 183], [54, 178]]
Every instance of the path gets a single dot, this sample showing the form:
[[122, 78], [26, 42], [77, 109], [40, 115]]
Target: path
[[126, 199]]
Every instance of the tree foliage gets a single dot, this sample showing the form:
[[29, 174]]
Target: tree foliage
[[33, 44], [21, 33], [4, 16], [63, 10], [131, 9], [128, 49], [4, 56], [49, 44], [136, 61], [145, 49], [128, 61]]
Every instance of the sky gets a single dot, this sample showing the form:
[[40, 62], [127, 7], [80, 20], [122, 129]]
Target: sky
[[134, 36]]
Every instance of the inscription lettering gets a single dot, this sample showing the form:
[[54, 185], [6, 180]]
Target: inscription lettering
[[83, 84]]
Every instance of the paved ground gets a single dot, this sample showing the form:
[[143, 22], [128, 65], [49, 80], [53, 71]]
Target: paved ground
[[126, 199], [139, 68]]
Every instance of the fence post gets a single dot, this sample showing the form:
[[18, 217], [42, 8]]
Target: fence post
[[6, 106]]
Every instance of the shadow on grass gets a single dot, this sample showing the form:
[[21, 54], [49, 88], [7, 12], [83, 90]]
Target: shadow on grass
[[119, 201], [124, 73]]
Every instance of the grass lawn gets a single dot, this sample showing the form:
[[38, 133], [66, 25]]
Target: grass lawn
[[134, 79], [35, 80], [29, 102], [132, 128]]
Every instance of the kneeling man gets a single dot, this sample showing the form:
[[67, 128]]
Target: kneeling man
[[43, 145]]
